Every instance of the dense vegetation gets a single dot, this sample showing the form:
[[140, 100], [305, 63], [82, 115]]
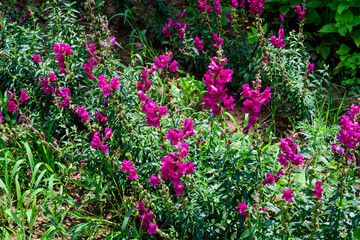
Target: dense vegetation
[[189, 119]]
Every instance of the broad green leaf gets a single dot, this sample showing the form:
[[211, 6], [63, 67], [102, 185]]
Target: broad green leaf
[[329, 28], [355, 35], [342, 7]]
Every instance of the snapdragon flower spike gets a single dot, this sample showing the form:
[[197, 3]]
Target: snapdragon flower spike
[[162, 61], [154, 180], [1, 117], [61, 51], [278, 42], [289, 149], [108, 133], [270, 179], [218, 41], [350, 157], [128, 167], [256, 6], [242, 208], [145, 219], [204, 7], [141, 206], [234, 3], [310, 67], [145, 79], [12, 107], [287, 195], [281, 17], [317, 190], [100, 117], [82, 113], [65, 93], [23, 96], [228, 16], [36, 58], [254, 103], [349, 134], [96, 142], [217, 7], [215, 80], [180, 29], [300, 12], [153, 112], [337, 148], [108, 87], [173, 66], [198, 44], [48, 83]]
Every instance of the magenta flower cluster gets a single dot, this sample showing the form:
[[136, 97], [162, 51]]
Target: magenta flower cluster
[[153, 112], [12, 106], [289, 149], [242, 208], [65, 94], [218, 41], [287, 195], [256, 6], [108, 86], [61, 51], [97, 143], [163, 62], [204, 6], [278, 42], [180, 29], [198, 44], [217, 6], [36, 58], [317, 190], [129, 167], [349, 134], [300, 12], [146, 219], [254, 103], [215, 80], [48, 83], [91, 62]]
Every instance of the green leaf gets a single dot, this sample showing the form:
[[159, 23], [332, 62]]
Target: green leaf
[[355, 35], [329, 28], [342, 7], [325, 51], [344, 50], [356, 21], [342, 30], [127, 217]]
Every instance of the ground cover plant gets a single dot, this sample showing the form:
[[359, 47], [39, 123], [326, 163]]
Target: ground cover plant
[[96, 147]]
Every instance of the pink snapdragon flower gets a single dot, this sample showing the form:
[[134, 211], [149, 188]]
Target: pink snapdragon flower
[[108, 133], [1, 117], [278, 42], [254, 103], [96, 142], [83, 114], [174, 136], [215, 80], [61, 51], [153, 112], [287, 195], [242, 207], [228, 16], [218, 41], [310, 67], [100, 117], [152, 228], [317, 190], [349, 134], [173, 66], [198, 44], [65, 93], [289, 149], [12, 107], [282, 16], [300, 12], [256, 6], [128, 167], [23, 96], [48, 83], [270, 179], [204, 7], [234, 3], [36, 58], [337, 148], [162, 61], [217, 7], [154, 180], [141, 206], [107, 86]]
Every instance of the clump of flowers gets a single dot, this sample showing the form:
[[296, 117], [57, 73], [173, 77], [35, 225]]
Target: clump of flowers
[[48, 83], [278, 42], [145, 84], [65, 93], [91, 62], [317, 190], [163, 61], [300, 12], [204, 7], [215, 80], [180, 29], [100, 117], [217, 6], [255, 101], [349, 134], [82, 113], [310, 67], [218, 41], [12, 106], [287, 195], [97, 143], [61, 51], [270, 179], [256, 6], [228, 16], [242, 208], [107, 86], [198, 44], [36, 58], [129, 167], [289, 149], [153, 112]]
